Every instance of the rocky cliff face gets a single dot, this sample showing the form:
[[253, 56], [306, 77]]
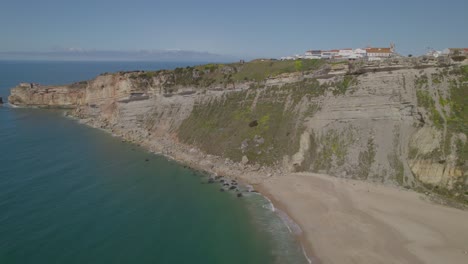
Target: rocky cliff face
[[397, 125], [48, 96]]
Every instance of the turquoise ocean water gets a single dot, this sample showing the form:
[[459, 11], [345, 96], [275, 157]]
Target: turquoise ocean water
[[73, 194]]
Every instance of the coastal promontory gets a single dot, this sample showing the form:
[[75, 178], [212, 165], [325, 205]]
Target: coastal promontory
[[333, 130]]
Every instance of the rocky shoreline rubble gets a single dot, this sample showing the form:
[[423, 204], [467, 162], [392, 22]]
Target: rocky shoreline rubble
[[238, 177]]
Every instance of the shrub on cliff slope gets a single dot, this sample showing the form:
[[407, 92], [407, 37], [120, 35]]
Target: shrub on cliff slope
[[425, 100]]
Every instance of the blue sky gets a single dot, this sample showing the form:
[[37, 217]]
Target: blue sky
[[239, 28]]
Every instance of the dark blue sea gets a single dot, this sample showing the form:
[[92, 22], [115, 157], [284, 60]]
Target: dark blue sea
[[74, 194]]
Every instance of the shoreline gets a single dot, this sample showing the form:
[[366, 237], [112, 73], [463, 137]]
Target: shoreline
[[342, 221], [350, 221], [306, 248]]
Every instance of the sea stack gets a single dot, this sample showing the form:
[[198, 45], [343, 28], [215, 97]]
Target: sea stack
[[1, 100]]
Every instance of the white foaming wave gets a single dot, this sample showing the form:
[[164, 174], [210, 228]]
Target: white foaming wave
[[305, 254], [249, 187], [295, 229], [292, 226], [270, 205], [11, 105]]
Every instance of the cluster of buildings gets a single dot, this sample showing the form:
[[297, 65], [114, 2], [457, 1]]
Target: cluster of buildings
[[369, 53], [449, 51]]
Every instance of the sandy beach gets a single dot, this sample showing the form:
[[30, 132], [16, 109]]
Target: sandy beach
[[348, 221]]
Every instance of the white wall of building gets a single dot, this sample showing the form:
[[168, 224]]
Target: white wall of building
[[345, 53]]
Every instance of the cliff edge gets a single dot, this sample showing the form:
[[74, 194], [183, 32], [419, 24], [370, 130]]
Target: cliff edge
[[399, 122]]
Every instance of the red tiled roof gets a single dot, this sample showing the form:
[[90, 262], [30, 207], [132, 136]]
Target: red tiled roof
[[378, 50]]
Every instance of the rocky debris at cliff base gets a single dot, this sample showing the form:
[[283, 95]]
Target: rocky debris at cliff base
[[245, 160]]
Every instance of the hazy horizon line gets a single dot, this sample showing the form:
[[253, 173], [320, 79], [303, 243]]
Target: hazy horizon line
[[76, 54]]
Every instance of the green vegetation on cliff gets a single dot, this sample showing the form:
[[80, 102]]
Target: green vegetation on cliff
[[227, 75], [262, 133], [458, 119], [333, 150], [259, 70], [457, 101], [452, 119], [342, 86], [366, 158], [263, 123], [425, 100]]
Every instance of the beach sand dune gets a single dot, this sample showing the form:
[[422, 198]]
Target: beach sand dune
[[348, 221]]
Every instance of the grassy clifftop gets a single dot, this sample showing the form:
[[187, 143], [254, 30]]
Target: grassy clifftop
[[227, 75]]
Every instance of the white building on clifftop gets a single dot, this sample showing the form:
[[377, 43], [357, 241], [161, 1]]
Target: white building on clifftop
[[346, 54], [380, 53]]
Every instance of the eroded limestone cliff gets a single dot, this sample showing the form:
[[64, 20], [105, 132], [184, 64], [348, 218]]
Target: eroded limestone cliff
[[396, 124]]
